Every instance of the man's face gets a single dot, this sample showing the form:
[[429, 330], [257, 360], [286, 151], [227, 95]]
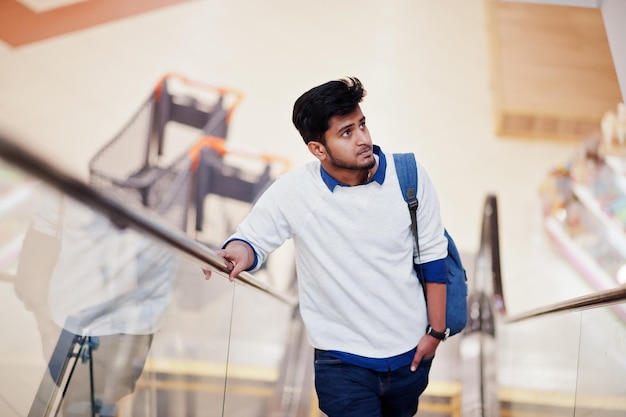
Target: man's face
[[348, 142]]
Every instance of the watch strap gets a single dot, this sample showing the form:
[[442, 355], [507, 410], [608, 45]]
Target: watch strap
[[437, 335]]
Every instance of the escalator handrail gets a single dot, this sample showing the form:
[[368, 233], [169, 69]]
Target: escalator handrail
[[490, 241], [595, 300], [124, 216]]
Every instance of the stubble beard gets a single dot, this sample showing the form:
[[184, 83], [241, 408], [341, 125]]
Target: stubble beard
[[338, 163]]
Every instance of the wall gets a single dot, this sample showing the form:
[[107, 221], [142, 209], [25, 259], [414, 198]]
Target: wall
[[614, 16]]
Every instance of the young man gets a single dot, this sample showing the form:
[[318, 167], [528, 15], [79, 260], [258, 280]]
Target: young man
[[360, 298]]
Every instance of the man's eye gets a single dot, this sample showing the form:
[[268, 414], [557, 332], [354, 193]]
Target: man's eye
[[346, 133]]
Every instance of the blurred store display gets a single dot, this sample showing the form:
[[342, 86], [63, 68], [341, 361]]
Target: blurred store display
[[584, 204]]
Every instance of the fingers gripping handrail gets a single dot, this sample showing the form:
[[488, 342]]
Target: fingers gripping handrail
[[123, 216]]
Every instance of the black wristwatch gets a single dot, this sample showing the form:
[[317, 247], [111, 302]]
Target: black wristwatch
[[438, 335]]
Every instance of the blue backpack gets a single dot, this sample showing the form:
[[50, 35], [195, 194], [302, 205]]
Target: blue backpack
[[456, 294]]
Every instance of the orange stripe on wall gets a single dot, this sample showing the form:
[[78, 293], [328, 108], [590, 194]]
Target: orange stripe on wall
[[19, 25]]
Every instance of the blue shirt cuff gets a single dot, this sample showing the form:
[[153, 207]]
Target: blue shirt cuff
[[434, 271], [256, 258]]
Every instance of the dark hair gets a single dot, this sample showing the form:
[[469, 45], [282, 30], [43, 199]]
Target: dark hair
[[313, 110]]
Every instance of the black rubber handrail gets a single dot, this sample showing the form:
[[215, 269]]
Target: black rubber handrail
[[490, 246], [124, 216]]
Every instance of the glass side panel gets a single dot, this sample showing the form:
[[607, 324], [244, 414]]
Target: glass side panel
[[22, 361], [601, 387], [185, 372], [260, 332], [563, 364], [537, 361], [130, 326]]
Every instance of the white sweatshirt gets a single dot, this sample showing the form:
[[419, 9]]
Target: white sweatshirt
[[354, 250]]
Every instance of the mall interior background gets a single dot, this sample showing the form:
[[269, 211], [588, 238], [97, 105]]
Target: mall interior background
[[426, 66]]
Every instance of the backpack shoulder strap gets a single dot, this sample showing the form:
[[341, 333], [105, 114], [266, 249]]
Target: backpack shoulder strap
[[406, 168]]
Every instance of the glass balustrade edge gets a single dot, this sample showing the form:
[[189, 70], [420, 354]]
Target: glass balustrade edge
[[124, 216]]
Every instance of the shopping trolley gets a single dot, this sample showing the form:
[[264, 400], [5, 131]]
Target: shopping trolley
[[232, 174], [147, 163]]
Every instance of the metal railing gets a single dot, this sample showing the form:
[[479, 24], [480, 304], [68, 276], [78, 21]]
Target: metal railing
[[490, 248], [122, 216], [488, 308]]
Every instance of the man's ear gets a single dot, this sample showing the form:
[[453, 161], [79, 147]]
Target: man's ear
[[317, 149]]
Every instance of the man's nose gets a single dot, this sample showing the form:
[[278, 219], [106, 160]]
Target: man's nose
[[363, 137]]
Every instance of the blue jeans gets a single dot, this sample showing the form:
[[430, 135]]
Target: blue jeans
[[345, 390]]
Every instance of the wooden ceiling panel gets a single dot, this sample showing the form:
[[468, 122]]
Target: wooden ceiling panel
[[553, 72], [19, 25]]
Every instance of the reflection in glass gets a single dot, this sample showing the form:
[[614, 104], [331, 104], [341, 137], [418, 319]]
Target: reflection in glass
[[97, 291]]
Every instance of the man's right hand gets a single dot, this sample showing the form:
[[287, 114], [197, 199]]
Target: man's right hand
[[239, 256]]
